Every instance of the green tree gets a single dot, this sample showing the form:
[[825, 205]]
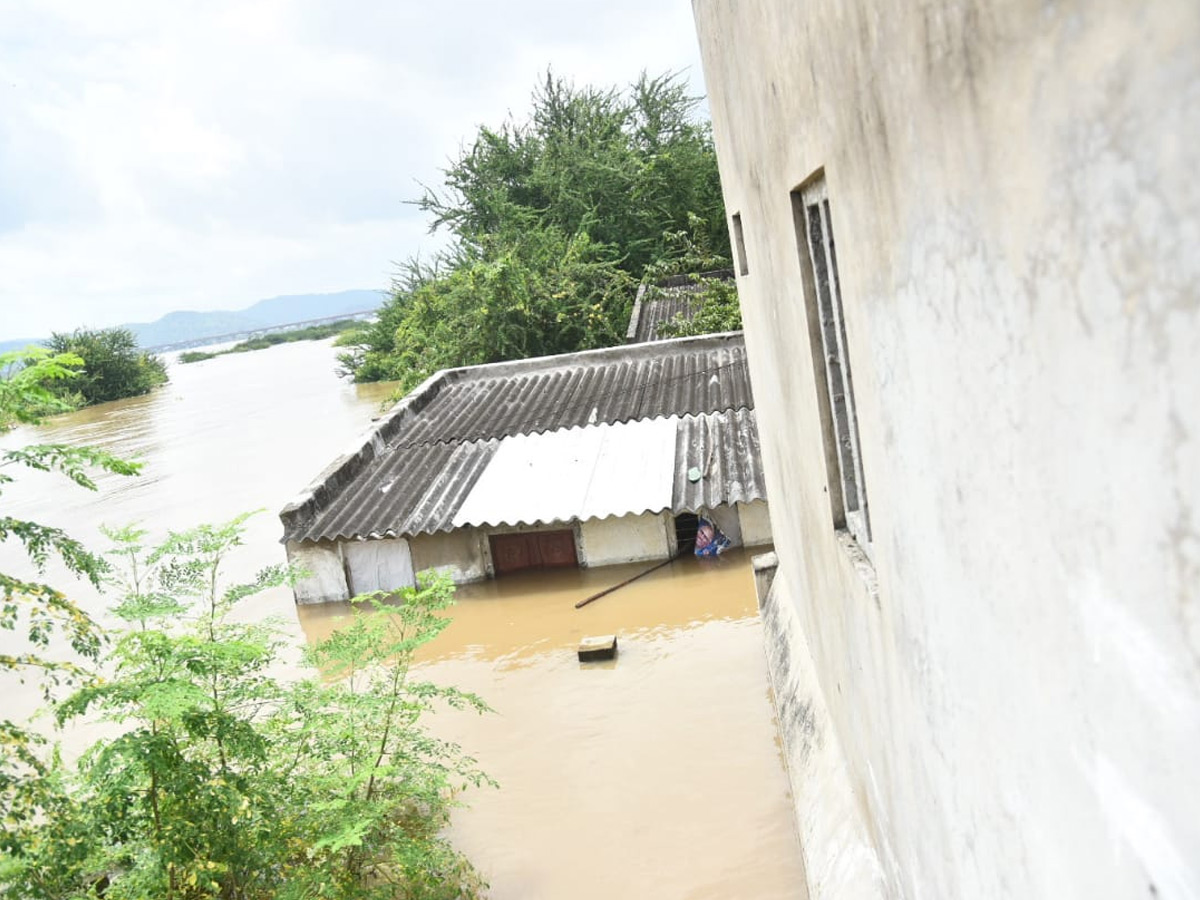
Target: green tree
[[42, 612], [539, 293], [113, 365], [553, 219], [226, 782], [689, 254]]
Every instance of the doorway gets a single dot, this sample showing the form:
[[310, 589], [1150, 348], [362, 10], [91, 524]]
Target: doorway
[[686, 526], [533, 550]]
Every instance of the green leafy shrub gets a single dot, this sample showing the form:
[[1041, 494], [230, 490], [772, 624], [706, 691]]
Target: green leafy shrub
[[193, 356], [226, 781], [113, 366], [46, 616]]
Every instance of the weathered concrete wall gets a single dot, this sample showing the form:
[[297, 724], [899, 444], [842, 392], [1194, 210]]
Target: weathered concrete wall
[[839, 859], [325, 581], [460, 554], [1014, 684], [755, 520], [620, 539], [380, 565]]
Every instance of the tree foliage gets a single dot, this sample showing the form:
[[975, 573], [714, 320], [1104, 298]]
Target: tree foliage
[[227, 782], [113, 366], [692, 257], [553, 220], [30, 605]]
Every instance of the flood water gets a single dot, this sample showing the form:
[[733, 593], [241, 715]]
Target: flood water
[[655, 775]]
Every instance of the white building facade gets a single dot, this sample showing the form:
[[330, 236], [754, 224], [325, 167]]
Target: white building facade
[[967, 237]]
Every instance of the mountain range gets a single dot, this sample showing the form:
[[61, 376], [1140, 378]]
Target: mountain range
[[187, 326]]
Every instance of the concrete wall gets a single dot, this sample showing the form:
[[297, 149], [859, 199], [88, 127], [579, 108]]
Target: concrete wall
[[620, 539], [1011, 681], [325, 578], [755, 521], [461, 554], [465, 555]]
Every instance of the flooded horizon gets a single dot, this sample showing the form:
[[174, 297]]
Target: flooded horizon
[[655, 774]]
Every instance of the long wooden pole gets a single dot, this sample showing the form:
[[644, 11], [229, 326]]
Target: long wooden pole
[[666, 562]]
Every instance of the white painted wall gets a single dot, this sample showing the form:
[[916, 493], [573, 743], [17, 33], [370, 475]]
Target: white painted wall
[[380, 565], [1014, 685], [755, 520], [621, 539], [325, 578], [459, 554]]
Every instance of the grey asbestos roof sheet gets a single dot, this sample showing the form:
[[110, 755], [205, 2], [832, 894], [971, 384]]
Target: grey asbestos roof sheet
[[678, 296], [672, 302], [418, 465], [724, 447], [677, 381], [411, 490]]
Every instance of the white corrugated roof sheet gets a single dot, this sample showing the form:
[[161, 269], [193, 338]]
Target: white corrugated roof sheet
[[591, 472]]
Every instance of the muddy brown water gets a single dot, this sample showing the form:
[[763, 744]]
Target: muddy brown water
[[655, 775]]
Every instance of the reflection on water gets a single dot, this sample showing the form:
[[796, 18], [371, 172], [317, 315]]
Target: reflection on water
[[657, 774], [654, 775]]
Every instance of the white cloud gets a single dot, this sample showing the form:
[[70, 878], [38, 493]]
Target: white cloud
[[158, 156]]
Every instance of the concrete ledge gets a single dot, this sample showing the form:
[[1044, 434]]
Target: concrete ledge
[[764, 566], [839, 860]]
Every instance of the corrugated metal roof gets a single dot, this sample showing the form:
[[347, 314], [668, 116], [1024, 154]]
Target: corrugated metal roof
[[680, 380], [412, 490], [683, 302], [679, 296], [417, 466], [724, 447], [576, 473]]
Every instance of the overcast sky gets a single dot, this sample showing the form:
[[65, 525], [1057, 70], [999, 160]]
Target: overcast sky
[[204, 155]]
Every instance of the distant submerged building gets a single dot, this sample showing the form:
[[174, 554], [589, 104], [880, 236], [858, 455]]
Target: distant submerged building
[[585, 459], [967, 238]]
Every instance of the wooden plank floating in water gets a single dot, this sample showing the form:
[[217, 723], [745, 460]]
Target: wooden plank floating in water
[[666, 562], [592, 649]]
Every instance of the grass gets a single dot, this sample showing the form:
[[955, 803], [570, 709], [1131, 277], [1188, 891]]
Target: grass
[[311, 333]]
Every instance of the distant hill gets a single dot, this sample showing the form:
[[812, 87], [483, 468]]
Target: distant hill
[[187, 326], [177, 327]]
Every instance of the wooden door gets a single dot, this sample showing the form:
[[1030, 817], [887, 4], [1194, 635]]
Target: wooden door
[[533, 550], [556, 549]]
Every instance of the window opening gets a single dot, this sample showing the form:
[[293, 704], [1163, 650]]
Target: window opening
[[831, 361], [686, 526], [739, 242]]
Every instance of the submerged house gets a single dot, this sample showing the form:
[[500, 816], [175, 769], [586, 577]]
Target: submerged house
[[585, 459]]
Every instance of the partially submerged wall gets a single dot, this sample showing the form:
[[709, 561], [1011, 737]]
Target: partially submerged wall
[[755, 521], [620, 539], [461, 554], [339, 570], [1014, 683], [324, 578]]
